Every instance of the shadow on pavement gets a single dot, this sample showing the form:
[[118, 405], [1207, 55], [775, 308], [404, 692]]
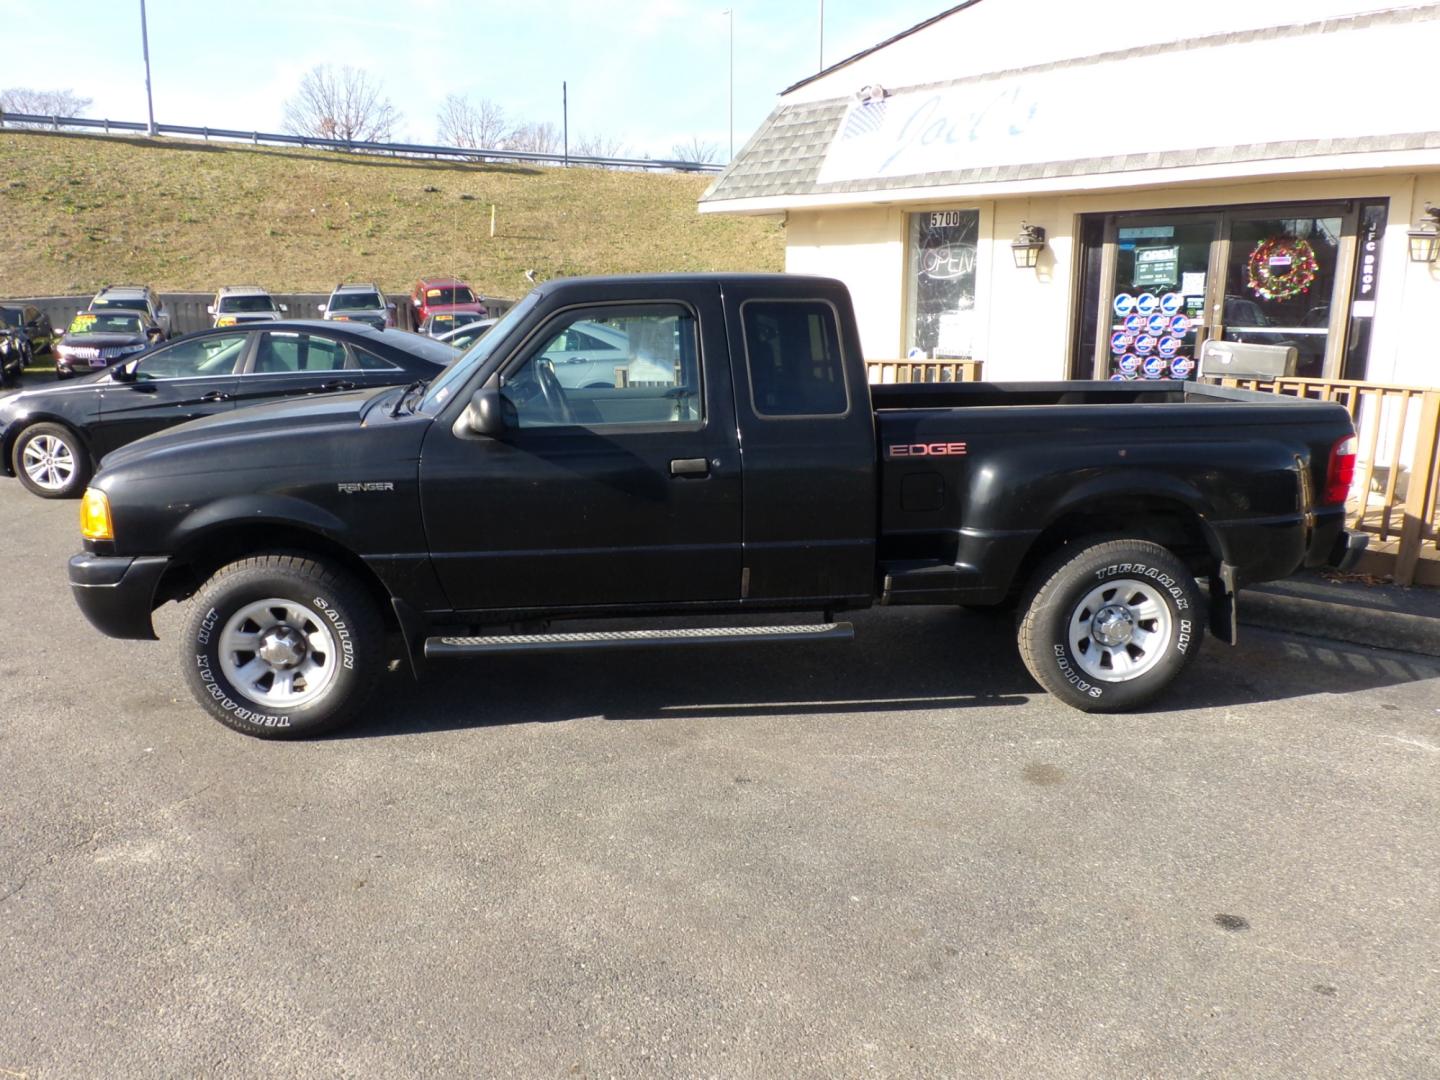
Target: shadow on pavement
[[901, 661]]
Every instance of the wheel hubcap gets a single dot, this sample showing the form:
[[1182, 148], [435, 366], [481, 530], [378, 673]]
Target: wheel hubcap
[[48, 461], [1113, 625], [278, 654], [1120, 630]]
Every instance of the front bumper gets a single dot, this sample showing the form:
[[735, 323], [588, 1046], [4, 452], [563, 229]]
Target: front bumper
[[1347, 549], [117, 594]]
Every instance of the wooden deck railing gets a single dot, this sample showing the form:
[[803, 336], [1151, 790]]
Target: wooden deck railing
[[923, 371], [1397, 478]]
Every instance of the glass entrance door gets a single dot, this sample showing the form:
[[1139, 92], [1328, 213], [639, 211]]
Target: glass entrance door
[[1281, 272]]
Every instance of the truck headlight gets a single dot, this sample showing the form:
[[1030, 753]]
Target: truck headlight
[[95, 523]]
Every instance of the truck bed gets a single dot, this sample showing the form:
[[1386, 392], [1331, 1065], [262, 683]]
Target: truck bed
[[977, 479], [1011, 395]]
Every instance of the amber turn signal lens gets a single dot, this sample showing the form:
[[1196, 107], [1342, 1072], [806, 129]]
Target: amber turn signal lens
[[95, 521]]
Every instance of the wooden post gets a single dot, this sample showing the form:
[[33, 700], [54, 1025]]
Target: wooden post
[[1423, 468], [492, 219]]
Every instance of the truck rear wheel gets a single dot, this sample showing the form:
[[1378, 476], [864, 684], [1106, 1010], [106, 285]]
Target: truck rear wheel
[[281, 646], [1107, 626]]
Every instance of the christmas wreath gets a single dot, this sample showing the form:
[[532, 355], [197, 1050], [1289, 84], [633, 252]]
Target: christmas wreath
[[1281, 268]]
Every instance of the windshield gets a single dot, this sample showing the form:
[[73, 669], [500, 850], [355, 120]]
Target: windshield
[[10, 316], [246, 303], [454, 376], [89, 322], [354, 301], [128, 303], [455, 294]]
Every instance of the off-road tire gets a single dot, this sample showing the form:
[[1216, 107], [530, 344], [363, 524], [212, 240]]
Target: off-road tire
[[1062, 643], [74, 485], [329, 597]]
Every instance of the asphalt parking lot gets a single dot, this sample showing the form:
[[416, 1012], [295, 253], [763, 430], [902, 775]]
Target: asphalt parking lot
[[892, 858]]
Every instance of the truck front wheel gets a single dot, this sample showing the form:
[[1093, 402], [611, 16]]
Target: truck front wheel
[[281, 646], [1108, 625]]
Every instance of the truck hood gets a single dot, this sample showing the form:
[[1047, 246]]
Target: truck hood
[[233, 433]]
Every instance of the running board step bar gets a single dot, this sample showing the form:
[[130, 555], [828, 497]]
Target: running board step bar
[[440, 648]]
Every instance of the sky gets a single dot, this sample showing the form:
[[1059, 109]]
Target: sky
[[651, 73]]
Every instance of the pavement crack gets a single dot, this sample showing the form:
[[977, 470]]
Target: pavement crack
[[1418, 743], [95, 837]]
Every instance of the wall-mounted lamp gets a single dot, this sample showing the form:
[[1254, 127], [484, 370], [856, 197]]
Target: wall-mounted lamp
[[1028, 245], [1425, 236]]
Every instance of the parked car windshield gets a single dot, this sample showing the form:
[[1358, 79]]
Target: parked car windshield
[[454, 376], [246, 303], [10, 316], [127, 303], [354, 301], [88, 322], [459, 294]]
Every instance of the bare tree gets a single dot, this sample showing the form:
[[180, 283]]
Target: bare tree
[[696, 150], [347, 104], [482, 125], [61, 103], [535, 138], [599, 146]]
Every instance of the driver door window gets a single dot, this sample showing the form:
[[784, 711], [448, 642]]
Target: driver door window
[[194, 359], [626, 364]]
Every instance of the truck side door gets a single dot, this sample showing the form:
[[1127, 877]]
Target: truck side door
[[808, 434], [602, 495]]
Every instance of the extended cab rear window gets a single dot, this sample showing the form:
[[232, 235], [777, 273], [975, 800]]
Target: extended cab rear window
[[792, 350]]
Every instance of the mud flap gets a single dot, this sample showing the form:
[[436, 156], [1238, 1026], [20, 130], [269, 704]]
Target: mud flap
[[1224, 605], [412, 632]]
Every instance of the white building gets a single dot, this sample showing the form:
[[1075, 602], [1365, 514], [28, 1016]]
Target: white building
[[1255, 165]]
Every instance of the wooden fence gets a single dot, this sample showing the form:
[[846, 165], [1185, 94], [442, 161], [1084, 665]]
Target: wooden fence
[[923, 371], [1397, 478]]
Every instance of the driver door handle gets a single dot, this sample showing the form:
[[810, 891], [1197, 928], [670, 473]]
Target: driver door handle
[[215, 395], [694, 466], [338, 384]]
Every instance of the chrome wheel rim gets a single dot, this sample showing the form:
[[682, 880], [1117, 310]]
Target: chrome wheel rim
[[278, 654], [1120, 630], [48, 461]]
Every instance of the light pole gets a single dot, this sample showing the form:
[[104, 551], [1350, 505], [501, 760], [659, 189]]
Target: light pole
[[822, 36], [731, 12], [145, 47]]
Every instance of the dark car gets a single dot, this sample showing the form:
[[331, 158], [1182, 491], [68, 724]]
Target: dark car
[[24, 332], [98, 339], [52, 437]]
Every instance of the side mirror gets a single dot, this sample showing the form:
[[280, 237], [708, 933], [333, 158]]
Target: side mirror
[[284, 307], [123, 373], [155, 333], [210, 309], [484, 416], [320, 308]]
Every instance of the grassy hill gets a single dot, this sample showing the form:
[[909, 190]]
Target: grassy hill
[[78, 211]]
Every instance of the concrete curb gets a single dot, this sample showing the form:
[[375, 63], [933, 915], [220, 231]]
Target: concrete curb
[[1354, 623]]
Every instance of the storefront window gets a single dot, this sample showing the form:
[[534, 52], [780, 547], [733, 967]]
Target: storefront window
[[1301, 277], [940, 301]]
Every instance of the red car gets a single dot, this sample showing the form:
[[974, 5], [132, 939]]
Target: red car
[[447, 294]]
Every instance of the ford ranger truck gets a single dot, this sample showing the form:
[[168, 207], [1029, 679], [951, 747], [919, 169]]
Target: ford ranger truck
[[735, 467]]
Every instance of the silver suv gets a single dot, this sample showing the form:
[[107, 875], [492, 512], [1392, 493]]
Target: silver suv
[[237, 304], [133, 298], [360, 303]]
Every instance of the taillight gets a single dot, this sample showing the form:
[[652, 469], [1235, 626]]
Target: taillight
[[1341, 472]]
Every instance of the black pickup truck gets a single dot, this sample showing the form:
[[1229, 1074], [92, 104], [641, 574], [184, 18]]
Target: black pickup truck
[[707, 446]]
